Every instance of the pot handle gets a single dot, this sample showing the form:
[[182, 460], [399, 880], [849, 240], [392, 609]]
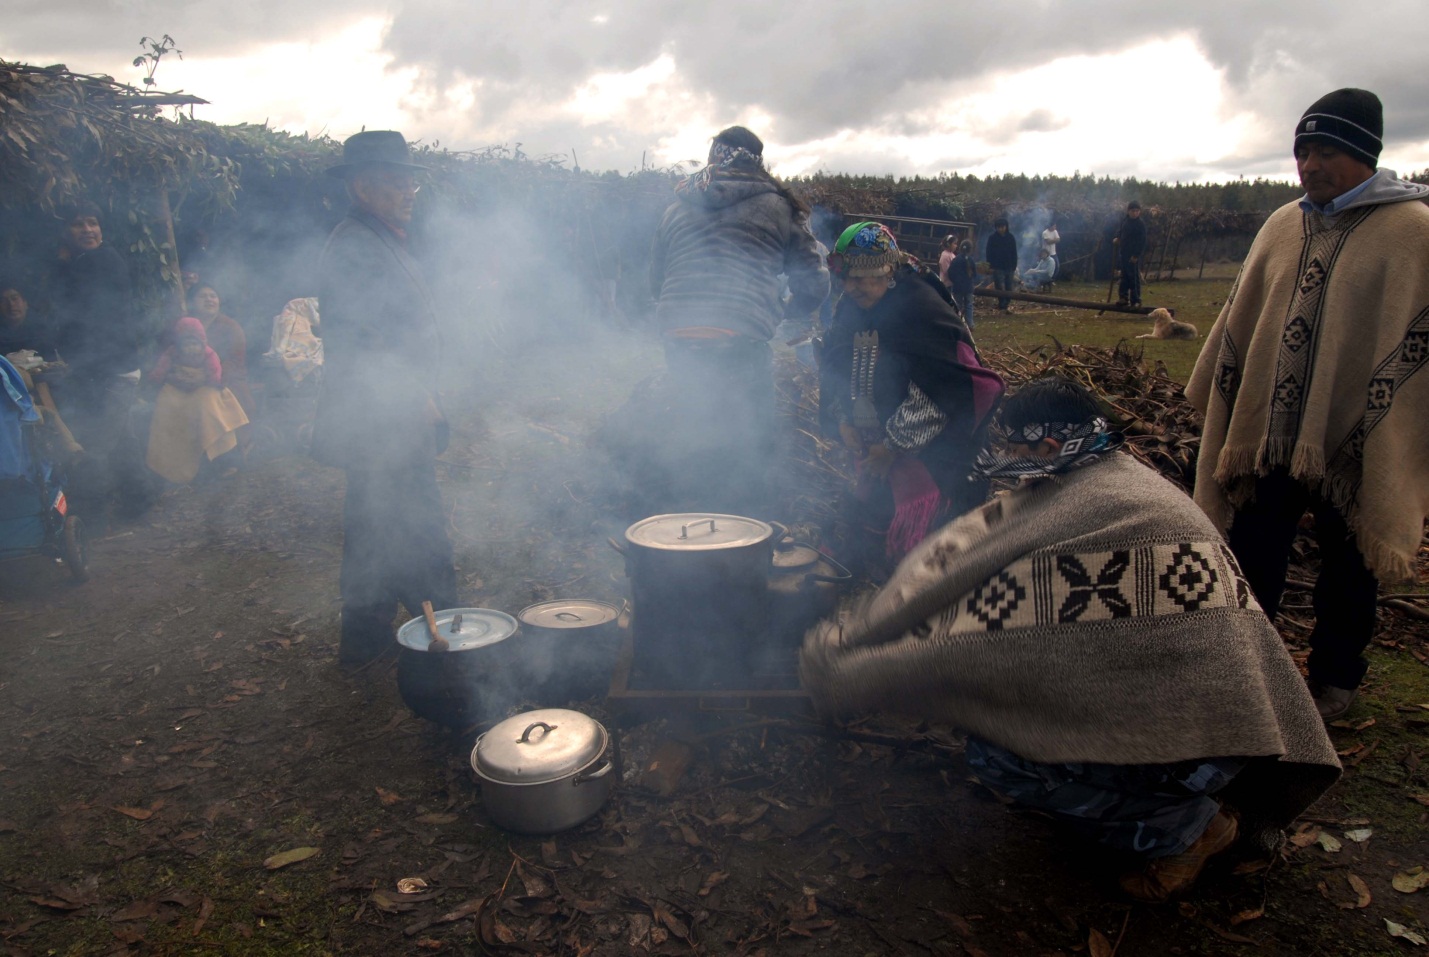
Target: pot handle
[[842, 578], [781, 529], [595, 775], [616, 545], [526, 735], [685, 529]]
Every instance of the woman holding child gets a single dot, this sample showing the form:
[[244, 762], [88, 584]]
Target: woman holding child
[[195, 415]]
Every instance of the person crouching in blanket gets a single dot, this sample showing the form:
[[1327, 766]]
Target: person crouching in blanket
[[911, 397], [1094, 635]]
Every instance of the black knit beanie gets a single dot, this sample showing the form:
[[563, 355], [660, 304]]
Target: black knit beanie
[[1350, 119]]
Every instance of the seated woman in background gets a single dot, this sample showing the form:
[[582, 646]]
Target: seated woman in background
[[225, 337], [1036, 276], [18, 331], [195, 416]]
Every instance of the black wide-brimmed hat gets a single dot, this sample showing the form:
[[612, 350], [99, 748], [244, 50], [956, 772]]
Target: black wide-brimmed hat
[[374, 148]]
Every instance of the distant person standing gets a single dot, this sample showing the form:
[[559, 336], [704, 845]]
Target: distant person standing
[[1314, 388], [714, 272], [1050, 239], [1002, 260], [1131, 246], [378, 418], [962, 277], [946, 255]]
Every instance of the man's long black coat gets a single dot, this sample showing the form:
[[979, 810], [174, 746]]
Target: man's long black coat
[[380, 350]]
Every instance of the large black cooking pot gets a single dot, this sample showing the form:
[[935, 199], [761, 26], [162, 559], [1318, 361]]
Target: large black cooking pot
[[478, 678], [699, 590]]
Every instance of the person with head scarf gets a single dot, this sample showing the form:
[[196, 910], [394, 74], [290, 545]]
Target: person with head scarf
[[1091, 632], [1315, 390], [911, 399], [715, 273]]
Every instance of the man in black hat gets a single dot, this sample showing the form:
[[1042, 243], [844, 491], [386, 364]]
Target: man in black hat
[[1310, 382], [1131, 246], [378, 417]]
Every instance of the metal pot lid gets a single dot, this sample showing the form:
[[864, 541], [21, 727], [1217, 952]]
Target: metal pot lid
[[568, 613], [538, 746], [795, 556], [698, 531], [479, 627]]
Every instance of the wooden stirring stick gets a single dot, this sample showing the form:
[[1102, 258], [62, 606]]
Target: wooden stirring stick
[[438, 642]]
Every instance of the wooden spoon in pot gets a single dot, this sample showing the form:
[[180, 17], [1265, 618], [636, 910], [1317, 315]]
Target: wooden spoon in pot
[[438, 642]]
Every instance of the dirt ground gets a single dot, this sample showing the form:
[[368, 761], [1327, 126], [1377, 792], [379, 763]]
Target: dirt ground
[[180, 720]]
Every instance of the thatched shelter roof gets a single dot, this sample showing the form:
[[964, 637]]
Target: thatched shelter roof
[[65, 135]]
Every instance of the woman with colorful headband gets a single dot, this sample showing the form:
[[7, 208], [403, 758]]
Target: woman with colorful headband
[[908, 391]]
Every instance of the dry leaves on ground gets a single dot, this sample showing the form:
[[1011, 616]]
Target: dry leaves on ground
[[291, 857], [1410, 881]]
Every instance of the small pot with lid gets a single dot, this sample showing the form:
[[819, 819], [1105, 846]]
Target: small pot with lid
[[804, 586], [570, 646], [544, 771]]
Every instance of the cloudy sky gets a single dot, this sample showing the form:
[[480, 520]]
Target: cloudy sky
[[1206, 90]]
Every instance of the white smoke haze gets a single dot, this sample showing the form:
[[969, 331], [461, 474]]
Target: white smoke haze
[[1164, 91]]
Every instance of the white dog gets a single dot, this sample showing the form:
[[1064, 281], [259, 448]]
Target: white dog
[[1164, 327]]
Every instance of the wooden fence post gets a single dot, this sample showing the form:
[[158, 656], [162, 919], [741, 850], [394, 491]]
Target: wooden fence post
[[163, 220]]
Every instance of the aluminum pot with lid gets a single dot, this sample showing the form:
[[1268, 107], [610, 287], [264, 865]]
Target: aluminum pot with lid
[[570, 646], [543, 771]]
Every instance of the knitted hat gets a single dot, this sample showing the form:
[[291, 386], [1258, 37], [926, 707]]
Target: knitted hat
[[1349, 119], [865, 249]]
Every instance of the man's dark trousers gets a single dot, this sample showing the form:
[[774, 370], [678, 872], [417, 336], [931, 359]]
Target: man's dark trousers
[[1130, 282], [394, 549], [1004, 280], [1346, 592]]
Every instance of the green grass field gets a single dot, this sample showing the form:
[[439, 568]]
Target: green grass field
[[1031, 325]]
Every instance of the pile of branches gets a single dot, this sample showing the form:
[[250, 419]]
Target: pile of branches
[[66, 136], [813, 471], [1162, 430]]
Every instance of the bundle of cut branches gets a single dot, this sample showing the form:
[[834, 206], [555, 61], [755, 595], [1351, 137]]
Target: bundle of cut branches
[[1162, 430]]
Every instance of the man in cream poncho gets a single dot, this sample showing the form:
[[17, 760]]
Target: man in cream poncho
[[1311, 389], [1092, 633]]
